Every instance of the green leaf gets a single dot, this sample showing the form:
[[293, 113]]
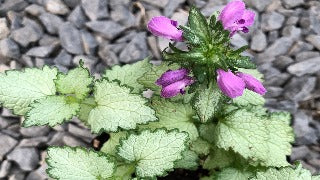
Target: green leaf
[[153, 152], [253, 72], [50, 111], [66, 163], [208, 103], [200, 146], [219, 158], [242, 62], [149, 78], [249, 98], [173, 115], [260, 139], [128, 74], [198, 25], [285, 173], [77, 82], [116, 107], [189, 161], [109, 147], [18, 89], [86, 106], [206, 132], [123, 172], [233, 174]]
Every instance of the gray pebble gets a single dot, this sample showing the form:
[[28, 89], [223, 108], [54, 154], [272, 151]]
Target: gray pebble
[[160, 4], [26, 158], [282, 62], [19, 35], [51, 22], [292, 3], [304, 134], [73, 141], [308, 66], [314, 40], [6, 144], [9, 49], [35, 10], [108, 56], [4, 29], [258, 41], [260, 5], [39, 174], [34, 131], [291, 32], [41, 51], [70, 38], [299, 88], [304, 55], [90, 44], [122, 15], [33, 142], [300, 46], [83, 133], [273, 92], [56, 7], [63, 59], [12, 5], [135, 50], [95, 9], [279, 47], [5, 168], [107, 29], [299, 153], [272, 21], [77, 17]]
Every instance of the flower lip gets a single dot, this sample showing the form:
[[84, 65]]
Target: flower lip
[[230, 84], [171, 76], [252, 83], [165, 27], [175, 88], [235, 17]]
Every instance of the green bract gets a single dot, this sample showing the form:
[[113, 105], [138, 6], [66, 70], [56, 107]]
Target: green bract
[[234, 139]]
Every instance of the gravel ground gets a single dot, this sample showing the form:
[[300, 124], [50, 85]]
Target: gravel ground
[[284, 42]]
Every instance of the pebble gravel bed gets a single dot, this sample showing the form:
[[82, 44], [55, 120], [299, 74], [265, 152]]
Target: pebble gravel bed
[[284, 43]]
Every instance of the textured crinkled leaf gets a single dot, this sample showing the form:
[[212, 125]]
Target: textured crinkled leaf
[[109, 147], [249, 98], [117, 107], [233, 174], [85, 108], [200, 146], [128, 74], [208, 102], [77, 82], [173, 115], [154, 152], [66, 163], [189, 161], [285, 173], [149, 78], [50, 111], [123, 172], [260, 139], [219, 158], [206, 132], [18, 89]]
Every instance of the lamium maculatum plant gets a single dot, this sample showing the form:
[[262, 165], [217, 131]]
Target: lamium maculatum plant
[[206, 110]]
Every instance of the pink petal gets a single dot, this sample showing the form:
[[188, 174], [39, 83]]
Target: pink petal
[[176, 88], [165, 27], [170, 76], [230, 84], [252, 83], [248, 16], [231, 13]]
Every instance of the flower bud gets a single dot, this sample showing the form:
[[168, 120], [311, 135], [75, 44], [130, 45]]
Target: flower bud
[[230, 84], [165, 27], [252, 83]]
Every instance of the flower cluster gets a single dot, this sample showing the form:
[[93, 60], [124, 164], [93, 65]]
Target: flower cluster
[[234, 17], [233, 85]]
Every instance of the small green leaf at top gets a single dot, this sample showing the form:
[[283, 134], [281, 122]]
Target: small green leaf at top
[[76, 82], [234, 174], [109, 147], [208, 102], [249, 98], [128, 74], [190, 160], [118, 108], [18, 89], [50, 111], [154, 152], [66, 163]]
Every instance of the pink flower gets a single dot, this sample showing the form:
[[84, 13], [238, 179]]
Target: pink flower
[[174, 82], [252, 83], [165, 27], [235, 17], [230, 84]]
